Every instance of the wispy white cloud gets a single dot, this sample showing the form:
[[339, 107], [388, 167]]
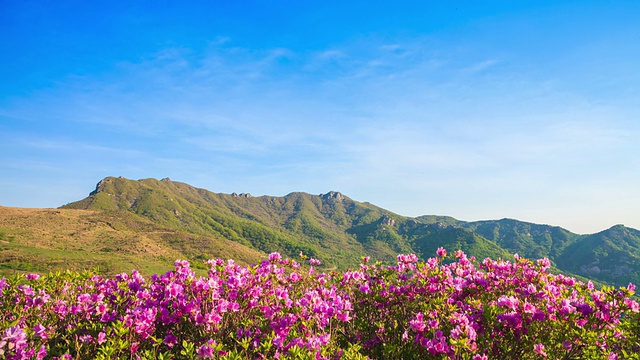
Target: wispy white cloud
[[480, 66], [71, 146]]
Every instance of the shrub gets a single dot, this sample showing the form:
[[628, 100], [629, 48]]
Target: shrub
[[431, 309]]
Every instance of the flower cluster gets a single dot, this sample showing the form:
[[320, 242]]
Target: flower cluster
[[465, 310], [441, 308]]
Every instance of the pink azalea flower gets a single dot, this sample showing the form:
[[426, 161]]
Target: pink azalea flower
[[539, 349], [32, 276]]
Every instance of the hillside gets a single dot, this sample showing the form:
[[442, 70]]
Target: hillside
[[610, 255], [329, 227], [149, 223], [43, 240]]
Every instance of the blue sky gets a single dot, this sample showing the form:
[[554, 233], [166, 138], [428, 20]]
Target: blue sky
[[476, 110]]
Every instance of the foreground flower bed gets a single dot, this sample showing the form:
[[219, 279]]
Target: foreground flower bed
[[282, 309]]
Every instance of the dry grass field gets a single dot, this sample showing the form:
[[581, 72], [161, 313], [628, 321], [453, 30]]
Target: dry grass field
[[44, 240]]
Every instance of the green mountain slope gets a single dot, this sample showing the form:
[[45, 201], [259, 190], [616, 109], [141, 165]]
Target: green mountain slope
[[331, 227], [427, 238], [527, 239], [197, 223], [612, 256]]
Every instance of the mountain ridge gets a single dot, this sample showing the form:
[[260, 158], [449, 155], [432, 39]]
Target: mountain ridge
[[337, 194], [340, 231]]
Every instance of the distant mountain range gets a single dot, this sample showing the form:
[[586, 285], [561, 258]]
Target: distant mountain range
[[148, 223]]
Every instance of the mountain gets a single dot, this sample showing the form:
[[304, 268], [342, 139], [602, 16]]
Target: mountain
[[152, 222], [612, 256], [331, 226], [529, 240]]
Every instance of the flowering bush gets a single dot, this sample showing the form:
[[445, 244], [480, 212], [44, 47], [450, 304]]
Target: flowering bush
[[283, 309]]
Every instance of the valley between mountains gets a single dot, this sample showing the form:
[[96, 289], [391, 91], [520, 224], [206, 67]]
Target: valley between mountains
[[147, 224]]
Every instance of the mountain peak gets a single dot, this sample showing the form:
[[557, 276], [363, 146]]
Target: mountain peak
[[620, 230], [333, 195], [100, 186]]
